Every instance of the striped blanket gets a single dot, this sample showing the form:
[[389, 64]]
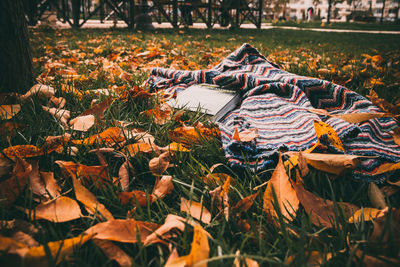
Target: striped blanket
[[278, 104]]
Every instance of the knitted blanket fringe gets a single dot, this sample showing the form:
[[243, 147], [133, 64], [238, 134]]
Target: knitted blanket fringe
[[278, 104]]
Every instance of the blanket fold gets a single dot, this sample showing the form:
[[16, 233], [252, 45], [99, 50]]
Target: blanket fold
[[278, 104]]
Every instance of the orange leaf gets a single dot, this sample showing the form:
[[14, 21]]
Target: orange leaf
[[192, 135], [367, 214], [171, 222], [9, 111], [160, 164], [110, 136], [94, 174], [161, 114], [196, 210], [123, 175], [245, 204], [135, 197], [215, 178], [163, 187], [322, 128], [113, 252], [22, 151], [125, 231], [286, 196], [62, 209], [132, 149]]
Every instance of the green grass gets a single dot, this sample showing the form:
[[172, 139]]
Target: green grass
[[266, 243]]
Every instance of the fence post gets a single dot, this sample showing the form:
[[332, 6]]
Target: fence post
[[209, 22], [131, 14], [260, 3], [175, 13], [76, 12]]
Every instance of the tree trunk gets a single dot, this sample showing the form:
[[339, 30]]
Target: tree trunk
[[15, 56], [328, 20], [383, 10]]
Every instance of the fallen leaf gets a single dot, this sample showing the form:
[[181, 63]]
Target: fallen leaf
[[9, 111], [110, 136], [55, 143], [188, 135], [213, 179], [321, 211], [163, 187], [387, 167], [322, 128], [97, 175], [22, 151], [61, 209], [396, 135], [38, 256], [386, 234], [286, 197], [376, 197], [175, 147], [57, 102], [35, 181], [244, 261], [160, 164], [51, 186], [361, 117], [12, 187], [161, 114], [98, 110], [246, 135], [123, 175], [314, 258], [389, 190], [10, 128], [371, 261], [331, 163], [84, 196], [135, 197], [382, 103], [367, 214], [113, 252], [132, 149], [25, 239], [245, 204], [82, 123], [39, 90], [125, 231], [196, 210], [9, 244], [198, 253]]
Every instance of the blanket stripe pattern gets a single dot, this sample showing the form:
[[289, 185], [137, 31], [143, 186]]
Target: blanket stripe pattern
[[278, 104]]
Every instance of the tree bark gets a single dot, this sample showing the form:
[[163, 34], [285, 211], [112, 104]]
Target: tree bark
[[382, 11], [328, 19], [15, 56]]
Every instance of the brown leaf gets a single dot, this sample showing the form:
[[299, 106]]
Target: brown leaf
[[123, 175], [387, 167], [61, 114], [213, 179], [389, 190], [62, 209], [376, 196], [132, 149], [198, 253], [320, 210], [11, 188], [170, 223], [314, 258], [160, 164], [331, 163], [161, 114], [51, 186], [188, 135], [82, 123], [367, 214], [57, 102], [163, 187], [245, 204], [396, 135], [55, 143], [135, 197], [113, 252], [386, 233], [98, 110], [89, 200], [361, 117], [382, 103], [246, 135], [286, 196], [371, 261], [109, 136], [22, 151], [125, 231], [243, 261], [9, 111], [39, 90], [196, 210], [25, 239], [35, 181]]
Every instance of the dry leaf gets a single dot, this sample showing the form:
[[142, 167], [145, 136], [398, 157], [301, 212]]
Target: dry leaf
[[322, 128], [314, 258], [213, 179], [367, 214], [396, 135], [82, 123], [198, 253], [386, 234], [247, 135], [62, 209], [361, 117], [51, 186], [286, 197], [61, 114], [175, 147], [163, 187], [376, 196], [84, 196], [113, 252], [245, 204], [12, 187], [9, 111], [135, 197], [125, 231], [132, 149], [123, 175], [22, 151], [331, 163], [93, 174], [161, 114], [160, 164], [196, 210], [109, 136], [192, 135], [243, 261], [39, 90], [371, 261], [98, 110], [57, 102], [387, 167]]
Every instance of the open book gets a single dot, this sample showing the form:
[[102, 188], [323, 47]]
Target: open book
[[210, 99]]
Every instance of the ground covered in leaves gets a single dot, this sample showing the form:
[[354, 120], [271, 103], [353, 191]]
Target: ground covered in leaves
[[98, 171]]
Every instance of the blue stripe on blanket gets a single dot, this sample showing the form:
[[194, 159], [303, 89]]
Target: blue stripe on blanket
[[276, 102]]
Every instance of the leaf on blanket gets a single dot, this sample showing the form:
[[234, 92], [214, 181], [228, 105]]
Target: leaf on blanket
[[361, 117], [198, 253], [125, 231], [61, 209], [279, 187], [196, 210], [367, 214], [387, 167], [396, 135], [9, 111], [322, 128], [247, 135], [331, 163], [84, 196]]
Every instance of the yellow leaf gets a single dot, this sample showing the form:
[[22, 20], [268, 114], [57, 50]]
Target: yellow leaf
[[368, 214], [286, 196], [322, 128], [387, 167]]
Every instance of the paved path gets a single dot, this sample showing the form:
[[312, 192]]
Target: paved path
[[107, 24]]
